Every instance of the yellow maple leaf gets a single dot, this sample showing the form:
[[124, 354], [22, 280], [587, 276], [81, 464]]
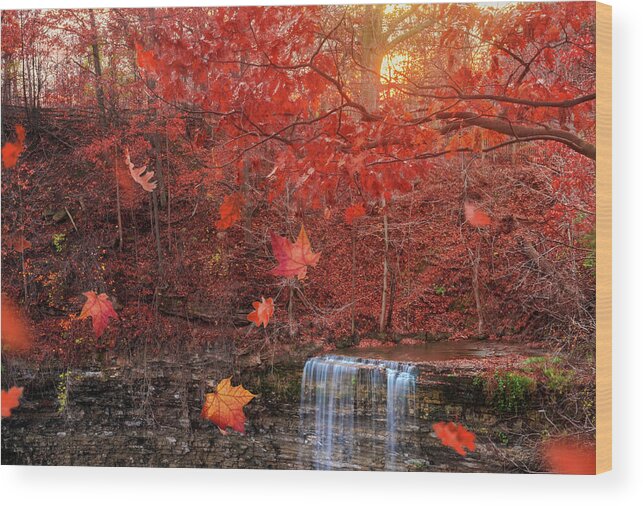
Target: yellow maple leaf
[[224, 407]]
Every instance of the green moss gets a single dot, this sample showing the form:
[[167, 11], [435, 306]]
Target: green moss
[[558, 380], [509, 391], [58, 241], [440, 290], [554, 376]]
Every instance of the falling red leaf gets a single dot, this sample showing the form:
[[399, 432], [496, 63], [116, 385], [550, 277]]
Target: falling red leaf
[[475, 216], [263, 312], [455, 436], [16, 334], [224, 407], [18, 243], [230, 211], [139, 175], [294, 258], [353, 212], [10, 399], [11, 150], [570, 457], [100, 309]]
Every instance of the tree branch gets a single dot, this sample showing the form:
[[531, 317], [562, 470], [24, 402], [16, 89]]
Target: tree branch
[[466, 119]]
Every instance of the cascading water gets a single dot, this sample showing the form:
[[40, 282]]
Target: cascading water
[[351, 406]]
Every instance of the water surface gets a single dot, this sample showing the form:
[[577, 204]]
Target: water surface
[[440, 351]]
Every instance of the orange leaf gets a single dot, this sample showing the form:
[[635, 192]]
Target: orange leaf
[[230, 211], [570, 457], [18, 243], [139, 175], [100, 309], [354, 212], [294, 258], [475, 216], [455, 436], [263, 312], [11, 150], [16, 334], [10, 399], [224, 407]]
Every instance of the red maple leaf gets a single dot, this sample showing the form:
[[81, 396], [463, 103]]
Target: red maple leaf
[[11, 150], [455, 436], [475, 216], [224, 407], [100, 308], [18, 243], [16, 334], [570, 457], [294, 258], [230, 211], [263, 312], [10, 399], [353, 212]]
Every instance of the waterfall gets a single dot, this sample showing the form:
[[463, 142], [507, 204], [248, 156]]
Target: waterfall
[[351, 405]]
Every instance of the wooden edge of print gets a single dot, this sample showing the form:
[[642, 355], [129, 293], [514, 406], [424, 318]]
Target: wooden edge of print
[[603, 238]]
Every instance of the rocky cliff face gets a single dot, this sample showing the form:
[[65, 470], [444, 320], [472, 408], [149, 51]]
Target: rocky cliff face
[[149, 415]]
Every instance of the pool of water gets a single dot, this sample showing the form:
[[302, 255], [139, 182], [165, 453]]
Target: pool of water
[[440, 351]]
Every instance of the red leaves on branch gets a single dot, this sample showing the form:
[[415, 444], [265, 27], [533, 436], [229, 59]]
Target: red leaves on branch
[[570, 457], [263, 312], [475, 216], [230, 211], [16, 334], [139, 175], [455, 436], [294, 258], [10, 399], [11, 150], [100, 308], [224, 407], [353, 212]]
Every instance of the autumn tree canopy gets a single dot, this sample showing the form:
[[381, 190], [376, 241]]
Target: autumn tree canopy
[[441, 158]]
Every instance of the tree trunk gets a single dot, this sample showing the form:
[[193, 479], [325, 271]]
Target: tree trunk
[[98, 71], [476, 289], [372, 56], [384, 272], [247, 204], [353, 269], [118, 201]]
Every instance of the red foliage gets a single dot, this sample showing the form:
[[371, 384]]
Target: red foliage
[[455, 436], [100, 308], [11, 151], [18, 243], [353, 212], [230, 211], [16, 333], [475, 216], [294, 258], [10, 399], [567, 456], [263, 312]]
